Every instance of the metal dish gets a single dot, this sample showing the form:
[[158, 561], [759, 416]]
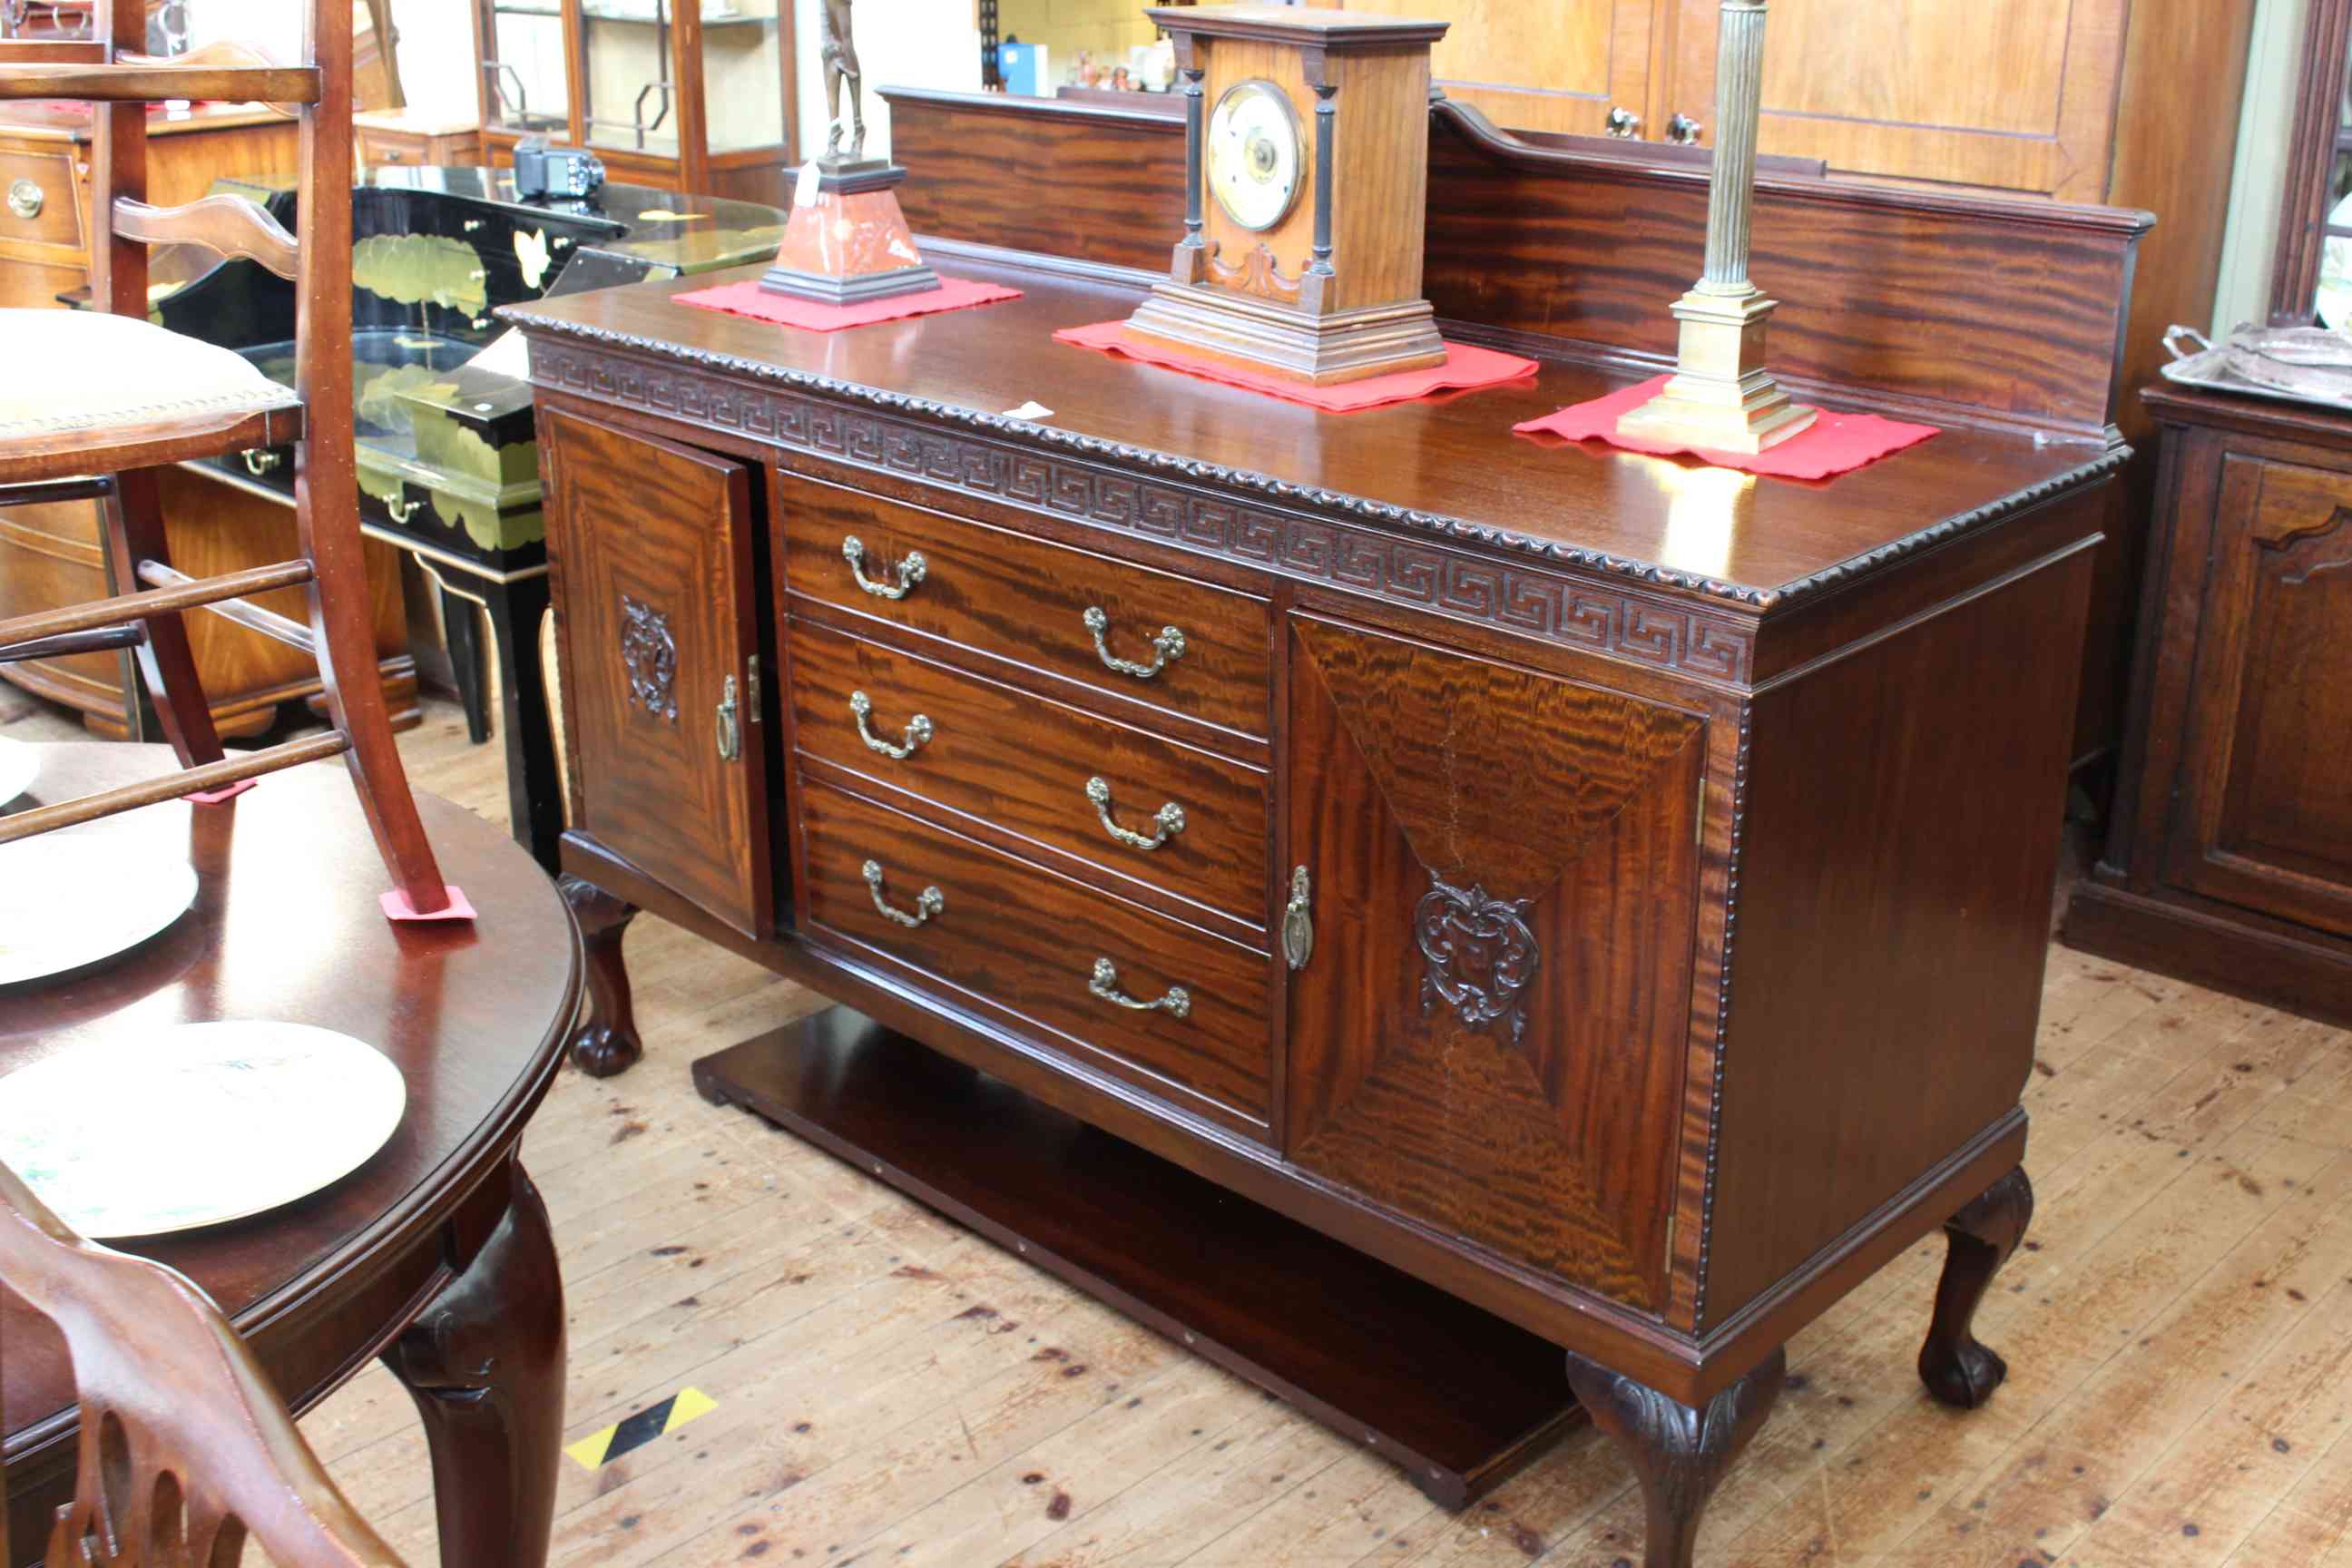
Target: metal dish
[[2294, 365]]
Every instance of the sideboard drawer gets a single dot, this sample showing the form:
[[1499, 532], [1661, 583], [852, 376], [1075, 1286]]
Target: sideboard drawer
[[38, 202], [1028, 766], [1184, 646], [1031, 942]]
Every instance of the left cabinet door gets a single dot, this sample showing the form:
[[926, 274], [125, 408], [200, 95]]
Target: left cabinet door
[[651, 545]]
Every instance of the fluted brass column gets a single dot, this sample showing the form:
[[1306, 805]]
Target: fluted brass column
[[1721, 396]]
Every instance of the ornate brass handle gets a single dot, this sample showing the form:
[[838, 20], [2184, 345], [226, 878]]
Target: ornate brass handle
[[919, 730], [911, 570], [1178, 1003], [1170, 818], [260, 460], [25, 199], [1623, 124], [1169, 644], [1683, 131], [1299, 922], [927, 903], [730, 736]]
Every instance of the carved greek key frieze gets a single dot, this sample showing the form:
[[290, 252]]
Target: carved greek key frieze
[[650, 655], [1407, 570]]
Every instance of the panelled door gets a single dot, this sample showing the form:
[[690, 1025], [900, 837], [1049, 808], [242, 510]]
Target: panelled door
[[2017, 96], [2263, 814], [1489, 1031], [652, 549], [1560, 65]]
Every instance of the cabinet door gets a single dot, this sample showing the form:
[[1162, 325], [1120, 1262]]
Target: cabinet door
[[652, 550], [1488, 1035], [2263, 813], [1557, 66], [2016, 97]]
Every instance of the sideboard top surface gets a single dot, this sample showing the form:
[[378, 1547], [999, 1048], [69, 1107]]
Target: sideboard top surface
[[1449, 466]]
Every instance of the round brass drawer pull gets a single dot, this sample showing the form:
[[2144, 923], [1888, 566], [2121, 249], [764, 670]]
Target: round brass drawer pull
[[1178, 1003], [911, 571], [25, 199], [919, 730], [1170, 644], [1170, 818], [928, 902]]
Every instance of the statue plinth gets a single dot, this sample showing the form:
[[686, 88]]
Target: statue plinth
[[849, 244]]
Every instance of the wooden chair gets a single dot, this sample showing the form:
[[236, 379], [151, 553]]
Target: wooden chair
[[185, 1449], [112, 397]]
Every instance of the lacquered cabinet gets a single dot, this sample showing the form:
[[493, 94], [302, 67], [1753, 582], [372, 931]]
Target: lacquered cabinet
[[650, 544], [2232, 860]]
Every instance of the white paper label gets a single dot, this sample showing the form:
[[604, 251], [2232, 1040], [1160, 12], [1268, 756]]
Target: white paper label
[[1030, 410], [804, 188]]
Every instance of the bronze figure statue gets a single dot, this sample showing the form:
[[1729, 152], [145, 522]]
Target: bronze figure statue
[[839, 53]]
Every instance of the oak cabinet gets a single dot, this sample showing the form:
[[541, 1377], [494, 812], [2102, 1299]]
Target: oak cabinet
[[2232, 862], [650, 544]]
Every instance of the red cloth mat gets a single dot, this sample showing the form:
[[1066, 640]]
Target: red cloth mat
[[1835, 443], [748, 299], [1464, 368]]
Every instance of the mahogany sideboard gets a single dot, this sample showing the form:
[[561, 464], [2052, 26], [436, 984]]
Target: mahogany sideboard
[[2230, 859]]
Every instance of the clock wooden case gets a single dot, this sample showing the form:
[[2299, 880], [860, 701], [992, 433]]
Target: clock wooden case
[[1307, 166]]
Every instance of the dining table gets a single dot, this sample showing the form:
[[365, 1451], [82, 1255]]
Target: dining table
[[435, 1254]]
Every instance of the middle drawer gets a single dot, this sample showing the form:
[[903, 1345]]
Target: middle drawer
[[1182, 820]]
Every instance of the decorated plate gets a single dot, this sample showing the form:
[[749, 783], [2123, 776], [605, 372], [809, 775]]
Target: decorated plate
[[196, 1124], [73, 898], [19, 765]]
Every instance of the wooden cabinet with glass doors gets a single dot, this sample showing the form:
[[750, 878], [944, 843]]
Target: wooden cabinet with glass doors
[[687, 95]]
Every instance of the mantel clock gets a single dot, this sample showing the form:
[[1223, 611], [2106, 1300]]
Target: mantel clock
[[1307, 166]]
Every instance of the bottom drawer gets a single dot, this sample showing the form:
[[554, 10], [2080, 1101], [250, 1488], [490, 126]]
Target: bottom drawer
[[1034, 942]]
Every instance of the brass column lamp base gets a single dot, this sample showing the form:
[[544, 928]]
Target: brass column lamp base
[[1721, 397]]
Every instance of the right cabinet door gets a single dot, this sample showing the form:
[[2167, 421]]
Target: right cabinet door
[[1501, 866], [651, 546], [2264, 812], [2015, 97]]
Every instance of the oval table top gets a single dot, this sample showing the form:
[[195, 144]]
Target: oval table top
[[286, 926]]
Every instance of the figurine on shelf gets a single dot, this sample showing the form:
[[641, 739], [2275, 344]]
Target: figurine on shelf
[[839, 53]]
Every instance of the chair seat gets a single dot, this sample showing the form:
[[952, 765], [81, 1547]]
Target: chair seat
[[106, 393]]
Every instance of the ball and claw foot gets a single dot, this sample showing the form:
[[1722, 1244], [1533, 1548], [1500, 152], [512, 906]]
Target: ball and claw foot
[[1958, 1370], [1679, 1453]]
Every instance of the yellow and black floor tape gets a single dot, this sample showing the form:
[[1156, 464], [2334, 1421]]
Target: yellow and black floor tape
[[601, 1449]]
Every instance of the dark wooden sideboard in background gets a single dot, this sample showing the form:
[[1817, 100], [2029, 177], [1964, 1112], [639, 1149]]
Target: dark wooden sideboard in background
[[1610, 891]]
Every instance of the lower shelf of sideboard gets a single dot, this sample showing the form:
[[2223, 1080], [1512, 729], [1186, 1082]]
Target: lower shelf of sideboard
[[1458, 1396]]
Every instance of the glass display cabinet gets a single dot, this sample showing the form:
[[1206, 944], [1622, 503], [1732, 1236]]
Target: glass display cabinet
[[687, 95]]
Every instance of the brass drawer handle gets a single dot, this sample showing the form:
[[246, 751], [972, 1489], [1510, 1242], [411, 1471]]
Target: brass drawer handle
[[1169, 644], [911, 571], [1298, 920], [260, 460], [399, 508], [928, 902], [25, 199], [1170, 818], [919, 731], [1178, 1003]]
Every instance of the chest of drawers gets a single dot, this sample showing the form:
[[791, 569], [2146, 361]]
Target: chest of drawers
[[1638, 939]]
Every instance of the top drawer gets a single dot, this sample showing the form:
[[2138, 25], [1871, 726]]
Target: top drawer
[[38, 200], [1145, 635]]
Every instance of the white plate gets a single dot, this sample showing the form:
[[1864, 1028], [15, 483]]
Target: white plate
[[196, 1124], [72, 898], [19, 764]]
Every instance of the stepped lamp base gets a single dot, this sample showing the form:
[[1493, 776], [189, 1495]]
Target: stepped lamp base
[[845, 242], [1721, 397]]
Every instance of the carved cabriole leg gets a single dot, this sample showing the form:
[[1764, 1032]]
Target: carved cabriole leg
[[1680, 1454], [606, 1040], [485, 1364], [1958, 1370]]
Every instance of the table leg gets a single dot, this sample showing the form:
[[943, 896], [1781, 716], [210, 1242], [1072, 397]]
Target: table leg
[[1679, 1454], [484, 1364], [534, 787], [461, 632], [606, 1041], [1959, 1371]]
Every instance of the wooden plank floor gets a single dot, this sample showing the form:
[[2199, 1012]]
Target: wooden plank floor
[[892, 1391]]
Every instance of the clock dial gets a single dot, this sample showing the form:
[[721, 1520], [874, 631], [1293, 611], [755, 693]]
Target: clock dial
[[1253, 154]]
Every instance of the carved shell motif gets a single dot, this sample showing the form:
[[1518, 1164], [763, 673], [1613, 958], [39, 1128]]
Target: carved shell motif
[[1479, 952], [650, 657]]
